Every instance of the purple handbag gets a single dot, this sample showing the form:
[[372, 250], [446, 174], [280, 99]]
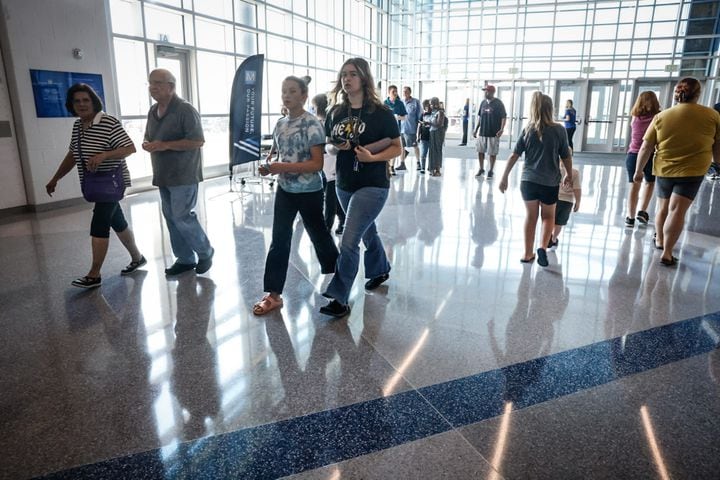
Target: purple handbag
[[106, 186]]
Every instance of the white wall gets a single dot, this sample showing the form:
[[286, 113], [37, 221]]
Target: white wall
[[12, 188], [41, 34]]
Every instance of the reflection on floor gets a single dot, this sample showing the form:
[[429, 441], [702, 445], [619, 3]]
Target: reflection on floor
[[465, 364]]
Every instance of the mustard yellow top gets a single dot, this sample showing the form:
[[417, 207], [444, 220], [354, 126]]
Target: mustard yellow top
[[684, 136]]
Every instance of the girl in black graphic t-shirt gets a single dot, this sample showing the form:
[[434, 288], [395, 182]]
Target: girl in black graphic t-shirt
[[366, 135]]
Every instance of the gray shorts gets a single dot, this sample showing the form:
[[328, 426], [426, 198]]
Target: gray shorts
[[410, 139], [684, 186], [489, 145]]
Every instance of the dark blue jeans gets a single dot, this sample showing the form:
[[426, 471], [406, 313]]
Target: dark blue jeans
[[287, 206]]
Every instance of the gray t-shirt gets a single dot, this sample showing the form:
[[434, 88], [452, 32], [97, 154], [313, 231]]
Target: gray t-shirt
[[542, 157], [181, 122]]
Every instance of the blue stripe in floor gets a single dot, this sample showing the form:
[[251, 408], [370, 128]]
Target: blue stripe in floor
[[312, 441]]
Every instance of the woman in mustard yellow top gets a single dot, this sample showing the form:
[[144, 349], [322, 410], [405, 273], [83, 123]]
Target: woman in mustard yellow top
[[685, 139]]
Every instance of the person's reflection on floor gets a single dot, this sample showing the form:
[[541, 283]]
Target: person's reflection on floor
[[126, 374], [483, 226], [624, 284], [430, 217], [291, 375], [195, 370], [337, 369], [539, 306]]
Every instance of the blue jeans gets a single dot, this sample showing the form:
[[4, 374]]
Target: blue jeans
[[424, 148], [187, 236], [361, 209]]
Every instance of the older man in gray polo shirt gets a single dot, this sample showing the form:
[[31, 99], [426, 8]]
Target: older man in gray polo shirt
[[174, 136]]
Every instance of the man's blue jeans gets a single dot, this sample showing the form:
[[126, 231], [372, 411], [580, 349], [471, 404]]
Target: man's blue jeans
[[187, 236], [361, 207]]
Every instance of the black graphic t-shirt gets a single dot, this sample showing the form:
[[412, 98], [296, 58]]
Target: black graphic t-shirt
[[491, 113], [362, 128]]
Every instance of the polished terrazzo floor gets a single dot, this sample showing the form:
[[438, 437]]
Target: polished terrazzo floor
[[465, 364]]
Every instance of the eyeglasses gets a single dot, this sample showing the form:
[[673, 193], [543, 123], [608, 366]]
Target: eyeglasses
[[156, 83]]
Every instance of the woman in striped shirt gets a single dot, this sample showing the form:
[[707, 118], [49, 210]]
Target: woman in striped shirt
[[98, 143]]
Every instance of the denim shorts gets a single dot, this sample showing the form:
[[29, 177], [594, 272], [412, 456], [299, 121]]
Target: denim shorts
[[631, 163]]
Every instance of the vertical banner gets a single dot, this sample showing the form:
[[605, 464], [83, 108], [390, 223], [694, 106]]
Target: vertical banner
[[245, 111]]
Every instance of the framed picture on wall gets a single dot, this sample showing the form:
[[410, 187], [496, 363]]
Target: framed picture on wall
[[50, 88]]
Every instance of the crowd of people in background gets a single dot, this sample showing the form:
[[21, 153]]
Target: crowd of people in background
[[339, 161]]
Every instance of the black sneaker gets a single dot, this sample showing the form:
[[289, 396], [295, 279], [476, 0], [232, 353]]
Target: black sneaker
[[374, 283], [87, 282], [480, 173], [133, 266], [542, 257], [643, 217], [629, 222], [422, 172], [490, 174], [552, 244], [401, 167], [419, 167], [178, 268], [335, 309], [461, 144], [204, 264], [392, 171]]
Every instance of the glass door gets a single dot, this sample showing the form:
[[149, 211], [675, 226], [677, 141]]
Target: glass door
[[177, 62], [570, 90], [600, 113], [457, 92]]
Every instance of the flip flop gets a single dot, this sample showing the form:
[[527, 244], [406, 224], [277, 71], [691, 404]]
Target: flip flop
[[669, 263], [528, 260], [266, 305]]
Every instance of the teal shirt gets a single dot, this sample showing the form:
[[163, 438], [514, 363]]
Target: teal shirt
[[293, 138]]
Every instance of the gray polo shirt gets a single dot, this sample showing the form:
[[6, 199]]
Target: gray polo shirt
[[181, 122]]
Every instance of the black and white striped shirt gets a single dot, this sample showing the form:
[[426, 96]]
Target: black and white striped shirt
[[105, 134]]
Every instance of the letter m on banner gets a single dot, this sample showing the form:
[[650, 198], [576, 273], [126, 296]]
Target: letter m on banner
[[245, 111]]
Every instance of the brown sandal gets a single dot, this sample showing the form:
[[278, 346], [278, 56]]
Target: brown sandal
[[266, 305]]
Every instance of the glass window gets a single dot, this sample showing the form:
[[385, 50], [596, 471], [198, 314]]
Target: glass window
[[300, 30], [245, 13], [215, 76], [281, 48], [215, 8], [604, 32], [299, 7], [139, 163], [214, 35], [279, 22], [216, 133], [666, 12], [126, 18], [165, 25], [131, 78], [663, 29], [300, 53], [606, 15], [602, 48], [245, 42]]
